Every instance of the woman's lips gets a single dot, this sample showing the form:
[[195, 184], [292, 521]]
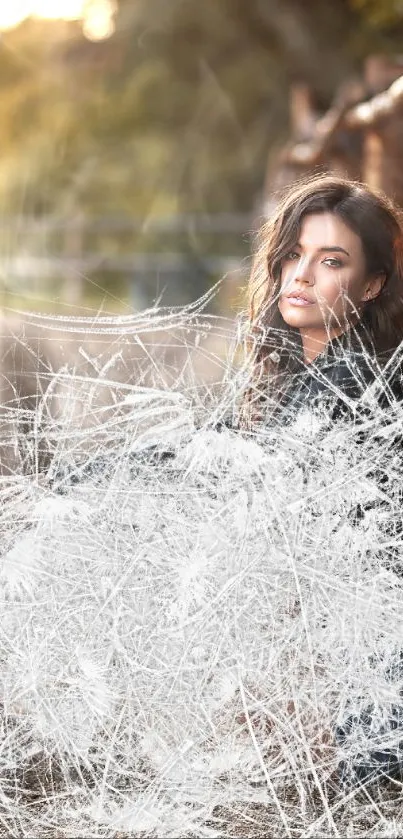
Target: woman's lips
[[299, 301]]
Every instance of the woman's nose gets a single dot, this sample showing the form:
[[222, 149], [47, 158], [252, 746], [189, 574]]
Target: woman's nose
[[303, 270]]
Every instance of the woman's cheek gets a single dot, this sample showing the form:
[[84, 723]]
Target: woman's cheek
[[331, 291], [328, 296], [286, 281], [345, 294]]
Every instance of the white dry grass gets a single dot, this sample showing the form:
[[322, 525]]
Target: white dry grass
[[187, 614]]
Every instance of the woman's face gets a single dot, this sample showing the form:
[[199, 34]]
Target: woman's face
[[327, 268]]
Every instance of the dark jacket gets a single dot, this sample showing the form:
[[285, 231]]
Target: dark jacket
[[340, 376], [349, 382], [337, 383]]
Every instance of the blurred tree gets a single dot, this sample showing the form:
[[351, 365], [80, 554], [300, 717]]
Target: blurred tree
[[176, 112]]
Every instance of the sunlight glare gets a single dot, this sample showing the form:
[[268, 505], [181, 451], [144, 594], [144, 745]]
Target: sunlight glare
[[98, 22], [97, 15], [12, 15], [65, 9]]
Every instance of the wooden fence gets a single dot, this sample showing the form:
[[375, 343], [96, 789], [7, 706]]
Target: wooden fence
[[68, 252]]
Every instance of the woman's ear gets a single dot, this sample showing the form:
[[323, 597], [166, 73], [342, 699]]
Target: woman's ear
[[374, 287]]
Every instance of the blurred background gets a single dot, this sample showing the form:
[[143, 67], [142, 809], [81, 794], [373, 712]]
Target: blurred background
[[142, 141]]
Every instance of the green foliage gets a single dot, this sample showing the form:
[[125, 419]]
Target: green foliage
[[380, 13]]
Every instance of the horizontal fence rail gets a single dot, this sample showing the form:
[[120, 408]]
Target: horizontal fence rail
[[54, 255], [203, 223], [32, 266]]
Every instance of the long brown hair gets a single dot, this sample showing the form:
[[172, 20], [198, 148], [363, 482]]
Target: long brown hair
[[272, 345]]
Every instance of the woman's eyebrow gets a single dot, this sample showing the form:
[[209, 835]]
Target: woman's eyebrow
[[334, 248]]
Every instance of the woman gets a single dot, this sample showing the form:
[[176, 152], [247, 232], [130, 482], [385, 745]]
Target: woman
[[325, 322], [325, 300]]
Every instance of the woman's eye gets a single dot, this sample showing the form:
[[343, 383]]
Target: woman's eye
[[292, 255], [333, 263]]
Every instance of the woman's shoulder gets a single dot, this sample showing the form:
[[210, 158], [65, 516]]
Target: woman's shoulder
[[351, 374], [342, 370]]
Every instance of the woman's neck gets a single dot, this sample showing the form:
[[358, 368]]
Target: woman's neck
[[314, 341]]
